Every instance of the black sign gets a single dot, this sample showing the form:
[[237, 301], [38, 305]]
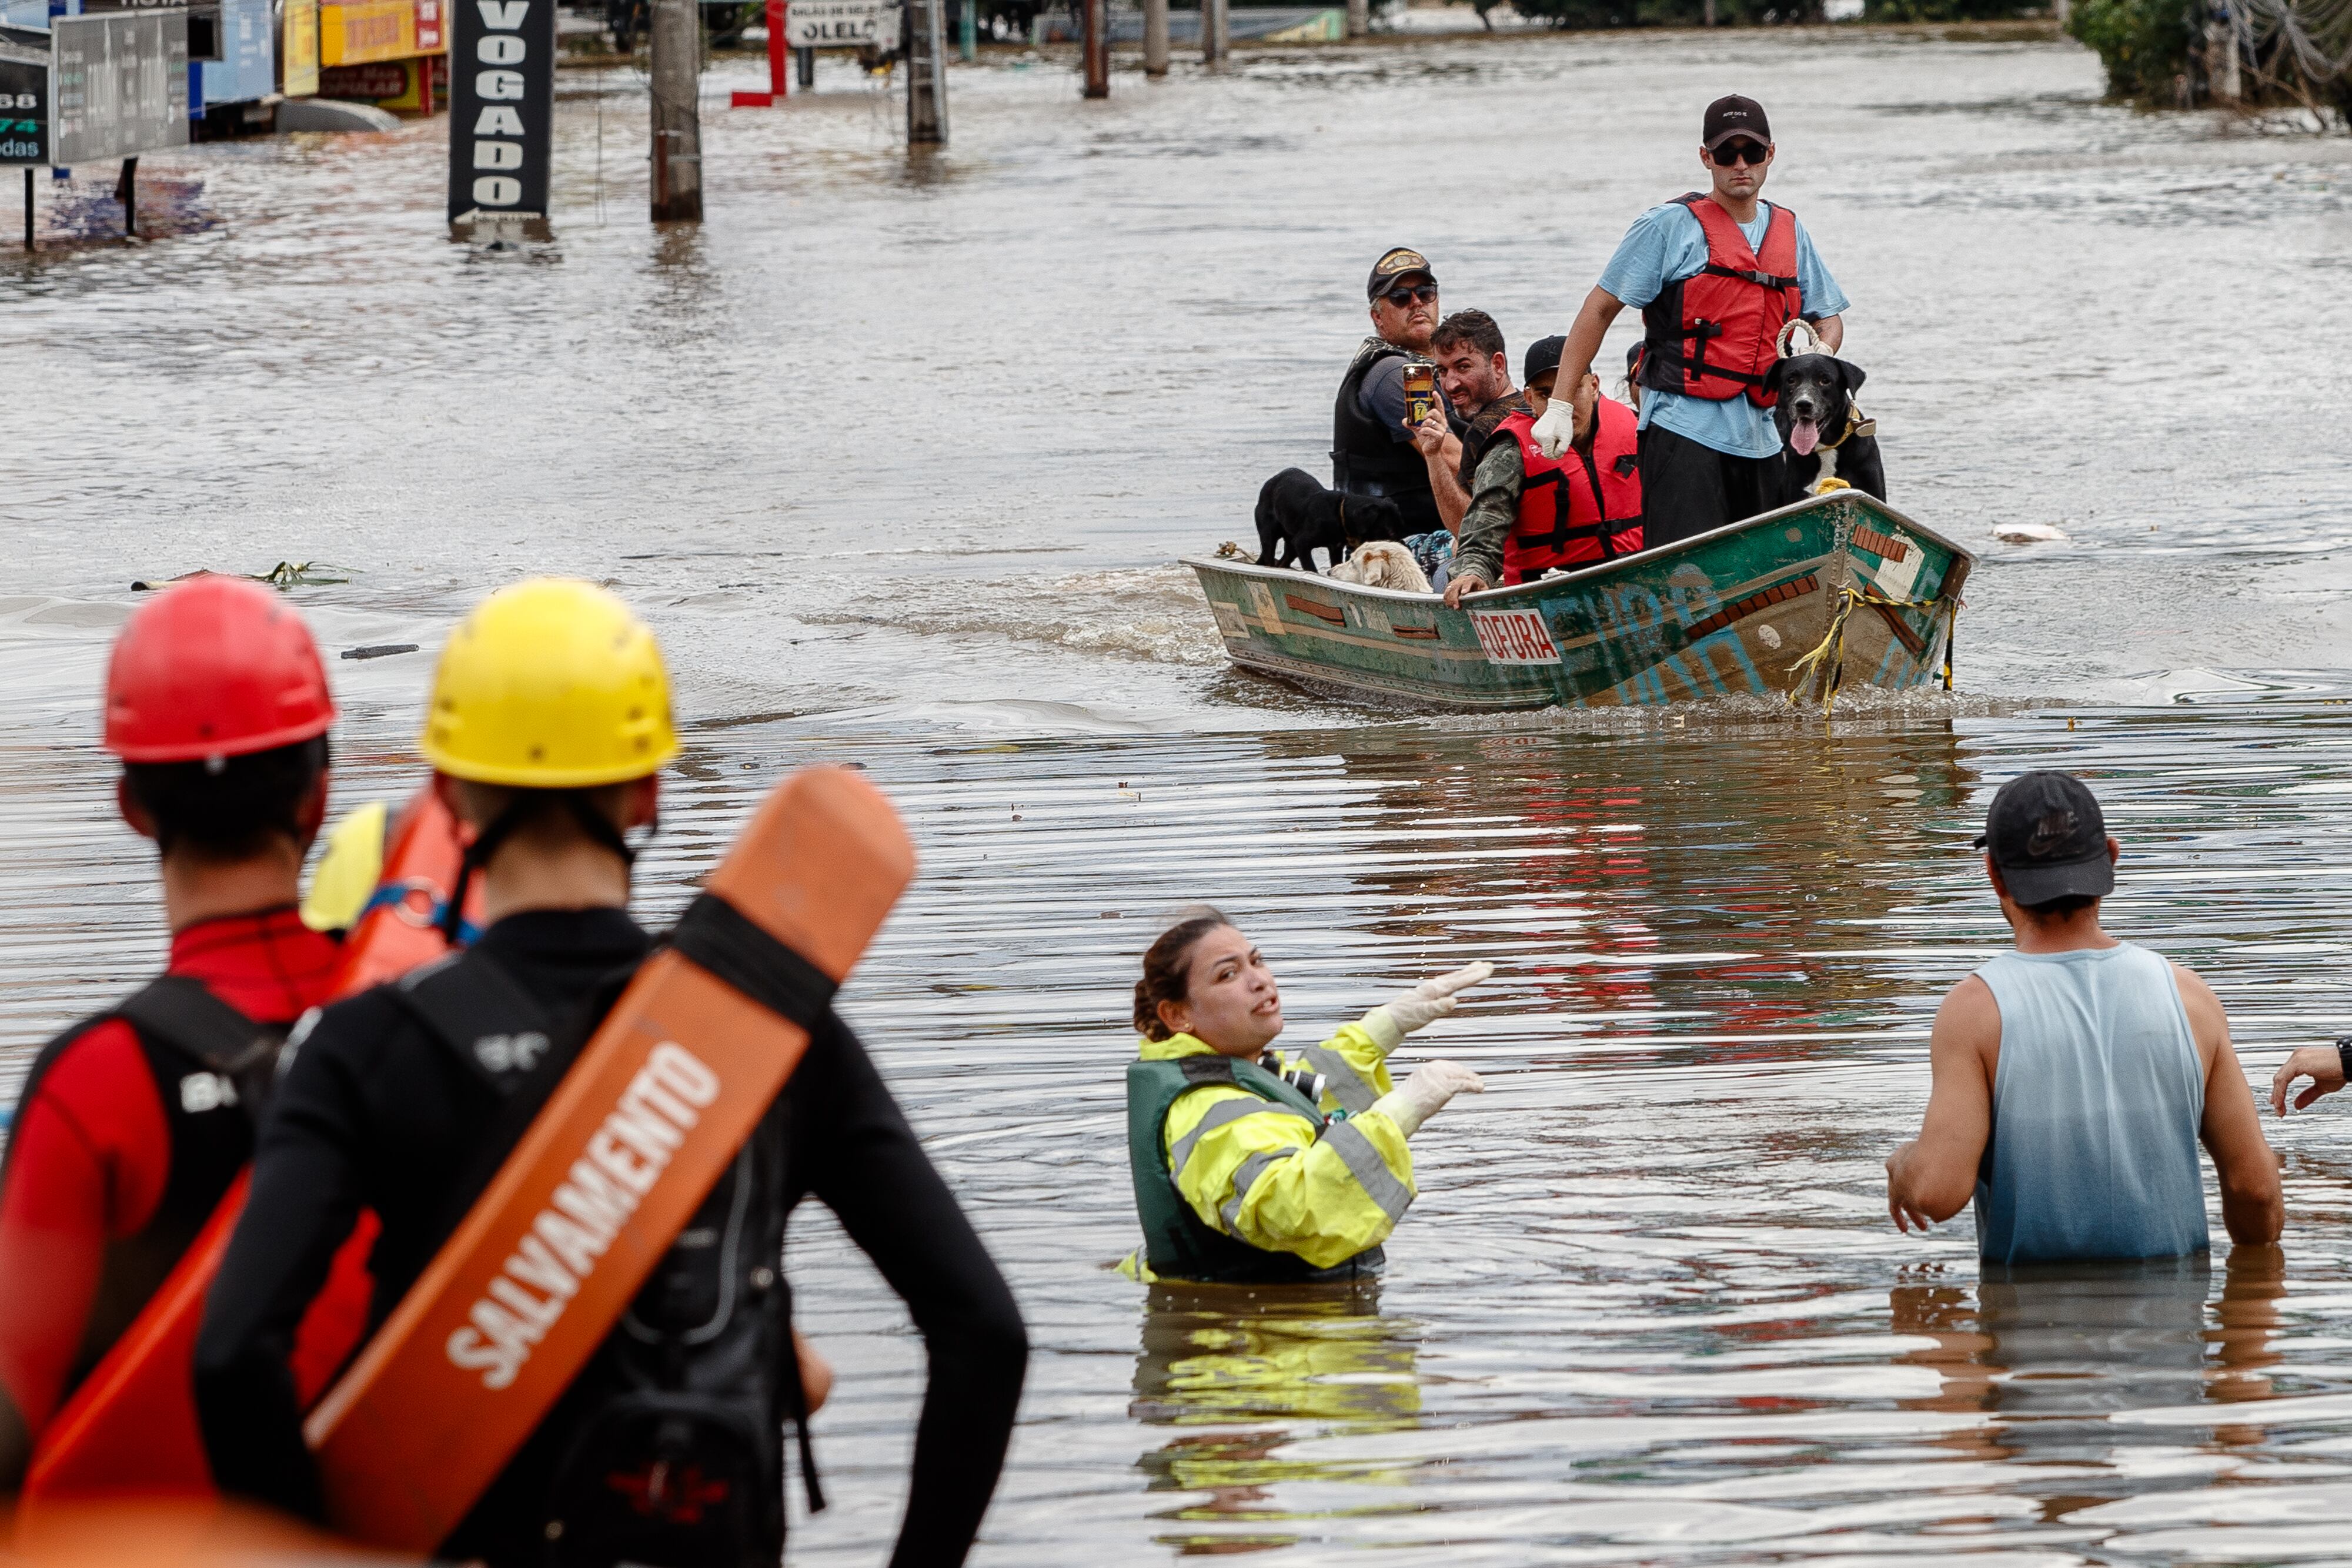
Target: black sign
[[24, 96], [121, 85], [501, 108]]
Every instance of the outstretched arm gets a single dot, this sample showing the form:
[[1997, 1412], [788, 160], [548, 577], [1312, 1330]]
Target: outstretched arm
[[1933, 1176], [2252, 1205], [868, 1169]]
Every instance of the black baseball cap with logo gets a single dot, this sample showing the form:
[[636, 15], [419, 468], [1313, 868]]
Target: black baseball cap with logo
[[1400, 262], [1734, 116], [2046, 834], [1543, 359]]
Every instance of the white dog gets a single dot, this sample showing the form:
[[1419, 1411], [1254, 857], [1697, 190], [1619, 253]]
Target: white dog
[[1382, 563]]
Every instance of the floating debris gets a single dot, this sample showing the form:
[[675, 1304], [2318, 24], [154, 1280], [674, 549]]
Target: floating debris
[[2028, 533], [301, 574], [379, 651]]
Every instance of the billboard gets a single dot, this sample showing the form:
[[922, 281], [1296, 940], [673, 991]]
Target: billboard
[[247, 67], [501, 108], [371, 30], [302, 49], [842, 24], [121, 84], [24, 96]]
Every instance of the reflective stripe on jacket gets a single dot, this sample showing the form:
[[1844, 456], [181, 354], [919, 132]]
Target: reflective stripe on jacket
[[1269, 1176]]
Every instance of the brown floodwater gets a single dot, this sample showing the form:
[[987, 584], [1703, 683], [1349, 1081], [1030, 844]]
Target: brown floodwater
[[896, 457]]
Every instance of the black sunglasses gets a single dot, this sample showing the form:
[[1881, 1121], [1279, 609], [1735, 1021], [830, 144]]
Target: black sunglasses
[[1413, 294], [1741, 152]]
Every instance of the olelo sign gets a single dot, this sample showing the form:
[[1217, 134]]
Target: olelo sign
[[501, 108], [841, 24]]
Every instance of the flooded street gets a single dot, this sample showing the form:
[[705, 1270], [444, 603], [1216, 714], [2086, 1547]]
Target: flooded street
[[896, 458]]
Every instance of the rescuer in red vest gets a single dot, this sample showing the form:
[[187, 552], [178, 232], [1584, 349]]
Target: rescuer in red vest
[[1529, 513], [1715, 276], [133, 1123]]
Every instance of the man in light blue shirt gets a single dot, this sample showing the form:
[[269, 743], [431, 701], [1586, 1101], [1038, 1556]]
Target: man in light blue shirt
[[1715, 284]]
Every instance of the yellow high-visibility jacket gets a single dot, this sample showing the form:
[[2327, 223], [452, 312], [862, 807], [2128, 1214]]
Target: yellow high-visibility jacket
[[1267, 1176]]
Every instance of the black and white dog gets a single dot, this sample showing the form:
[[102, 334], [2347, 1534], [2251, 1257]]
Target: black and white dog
[[1296, 515], [1821, 435]]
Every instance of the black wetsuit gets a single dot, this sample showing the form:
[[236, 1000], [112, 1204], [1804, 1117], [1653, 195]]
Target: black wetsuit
[[372, 1112]]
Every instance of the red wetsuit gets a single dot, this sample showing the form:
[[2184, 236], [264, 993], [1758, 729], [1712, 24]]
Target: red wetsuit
[[89, 1168]]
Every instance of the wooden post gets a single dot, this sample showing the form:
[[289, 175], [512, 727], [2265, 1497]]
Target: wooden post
[[1360, 17], [1155, 37], [29, 206], [126, 190], [1216, 35], [676, 115], [927, 87], [1707, 18], [1096, 38]]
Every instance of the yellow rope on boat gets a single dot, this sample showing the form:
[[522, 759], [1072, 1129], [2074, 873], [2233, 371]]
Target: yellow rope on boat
[[1828, 660]]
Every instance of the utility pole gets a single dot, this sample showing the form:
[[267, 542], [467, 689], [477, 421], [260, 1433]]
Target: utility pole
[[927, 83], [1216, 34], [676, 114], [968, 32], [1097, 44], [1360, 17], [1155, 37]]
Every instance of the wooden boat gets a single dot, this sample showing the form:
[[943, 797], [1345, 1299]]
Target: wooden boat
[[1837, 590]]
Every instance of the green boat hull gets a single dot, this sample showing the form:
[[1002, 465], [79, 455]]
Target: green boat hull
[[1838, 591]]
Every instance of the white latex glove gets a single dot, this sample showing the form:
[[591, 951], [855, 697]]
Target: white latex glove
[[1421, 1006], [1424, 1095], [1556, 429]]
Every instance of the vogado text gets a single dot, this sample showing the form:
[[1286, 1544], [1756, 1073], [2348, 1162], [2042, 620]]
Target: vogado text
[[621, 1162], [499, 85]]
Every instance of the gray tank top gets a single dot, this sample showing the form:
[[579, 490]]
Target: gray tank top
[[2096, 1107]]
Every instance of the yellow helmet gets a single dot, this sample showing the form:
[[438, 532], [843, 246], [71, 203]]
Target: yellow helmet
[[550, 685]]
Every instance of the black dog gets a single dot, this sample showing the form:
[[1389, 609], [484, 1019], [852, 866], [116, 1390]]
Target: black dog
[[1820, 435], [1296, 515]]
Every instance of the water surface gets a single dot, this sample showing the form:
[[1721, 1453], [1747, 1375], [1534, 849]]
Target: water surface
[[896, 457]]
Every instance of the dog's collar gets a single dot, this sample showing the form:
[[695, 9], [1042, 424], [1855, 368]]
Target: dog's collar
[[1855, 425]]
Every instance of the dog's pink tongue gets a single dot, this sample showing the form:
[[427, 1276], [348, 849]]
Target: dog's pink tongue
[[1804, 436]]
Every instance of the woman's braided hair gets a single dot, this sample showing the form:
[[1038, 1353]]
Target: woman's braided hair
[[1167, 965]]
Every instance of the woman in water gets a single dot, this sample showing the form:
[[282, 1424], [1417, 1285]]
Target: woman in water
[[1266, 1169]]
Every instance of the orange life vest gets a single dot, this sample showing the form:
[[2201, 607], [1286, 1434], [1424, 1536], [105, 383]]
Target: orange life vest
[[1717, 332], [1586, 507], [130, 1431]]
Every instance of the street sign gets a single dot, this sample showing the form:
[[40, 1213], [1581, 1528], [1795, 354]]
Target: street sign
[[121, 84], [501, 108], [24, 96], [843, 24]]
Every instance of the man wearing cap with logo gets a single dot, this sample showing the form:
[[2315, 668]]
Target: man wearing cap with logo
[[1373, 449], [133, 1124], [1715, 276], [1530, 514], [2075, 1075]]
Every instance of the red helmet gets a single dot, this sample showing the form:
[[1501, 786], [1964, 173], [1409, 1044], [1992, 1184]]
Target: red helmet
[[214, 666]]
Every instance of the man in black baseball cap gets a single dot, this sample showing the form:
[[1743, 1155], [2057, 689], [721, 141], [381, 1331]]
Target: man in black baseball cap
[[1372, 450], [2075, 1076], [1715, 274]]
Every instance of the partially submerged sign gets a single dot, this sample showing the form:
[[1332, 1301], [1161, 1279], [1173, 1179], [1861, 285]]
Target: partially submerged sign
[[501, 109], [24, 96], [121, 85], [842, 24]]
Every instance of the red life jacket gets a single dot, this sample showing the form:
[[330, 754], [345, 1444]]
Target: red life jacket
[[1717, 332], [1600, 518]]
